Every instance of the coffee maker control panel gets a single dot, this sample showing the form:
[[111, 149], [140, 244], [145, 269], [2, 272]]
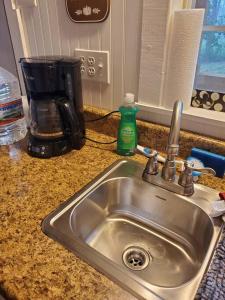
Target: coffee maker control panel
[[47, 150]]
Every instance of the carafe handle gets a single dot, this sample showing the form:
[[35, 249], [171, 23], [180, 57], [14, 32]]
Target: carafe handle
[[70, 121]]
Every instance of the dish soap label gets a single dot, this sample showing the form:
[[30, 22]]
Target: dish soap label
[[127, 136]]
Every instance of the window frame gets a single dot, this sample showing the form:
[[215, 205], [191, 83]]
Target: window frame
[[200, 121]]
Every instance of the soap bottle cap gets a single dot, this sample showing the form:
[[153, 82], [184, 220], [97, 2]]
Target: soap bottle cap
[[129, 98]]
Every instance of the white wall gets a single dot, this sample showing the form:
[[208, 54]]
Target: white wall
[[48, 30], [7, 59], [156, 27]]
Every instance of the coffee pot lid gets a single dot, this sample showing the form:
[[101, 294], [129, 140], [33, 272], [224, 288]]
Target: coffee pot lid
[[40, 61]]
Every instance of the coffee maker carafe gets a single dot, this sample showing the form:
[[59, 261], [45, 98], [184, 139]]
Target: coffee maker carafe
[[54, 91]]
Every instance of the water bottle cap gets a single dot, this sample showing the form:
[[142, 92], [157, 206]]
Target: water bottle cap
[[129, 98]]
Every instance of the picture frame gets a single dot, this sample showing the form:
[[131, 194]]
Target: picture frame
[[88, 11]]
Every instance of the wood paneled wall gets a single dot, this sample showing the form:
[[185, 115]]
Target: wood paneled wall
[[50, 31]]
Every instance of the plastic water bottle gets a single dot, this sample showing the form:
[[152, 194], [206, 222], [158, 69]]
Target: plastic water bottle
[[12, 122], [127, 132]]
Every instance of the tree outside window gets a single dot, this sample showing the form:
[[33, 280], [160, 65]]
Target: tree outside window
[[210, 73]]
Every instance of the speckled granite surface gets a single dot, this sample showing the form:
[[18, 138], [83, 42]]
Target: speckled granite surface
[[32, 266], [213, 284]]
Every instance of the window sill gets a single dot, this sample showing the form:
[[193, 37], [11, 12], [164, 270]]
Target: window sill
[[209, 123]]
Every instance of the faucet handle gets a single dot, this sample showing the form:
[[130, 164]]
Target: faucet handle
[[189, 167], [186, 178], [152, 167]]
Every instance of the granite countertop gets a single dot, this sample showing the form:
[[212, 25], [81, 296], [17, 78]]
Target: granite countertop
[[32, 266]]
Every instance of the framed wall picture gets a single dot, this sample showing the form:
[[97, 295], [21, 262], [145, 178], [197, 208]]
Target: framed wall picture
[[88, 11]]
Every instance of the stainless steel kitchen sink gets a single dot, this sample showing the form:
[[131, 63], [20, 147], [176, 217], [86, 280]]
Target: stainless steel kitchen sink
[[154, 243]]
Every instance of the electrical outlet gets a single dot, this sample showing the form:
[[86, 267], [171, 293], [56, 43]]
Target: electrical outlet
[[91, 60], [95, 65], [82, 58], [91, 71], [82, 69]]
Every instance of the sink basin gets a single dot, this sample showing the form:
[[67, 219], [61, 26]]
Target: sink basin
[[154, 243]]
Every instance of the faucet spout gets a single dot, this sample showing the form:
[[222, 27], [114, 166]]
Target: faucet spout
[[169, 168], [173, 141]]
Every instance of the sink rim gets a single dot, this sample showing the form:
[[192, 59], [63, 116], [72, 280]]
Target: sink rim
[[93, 256]]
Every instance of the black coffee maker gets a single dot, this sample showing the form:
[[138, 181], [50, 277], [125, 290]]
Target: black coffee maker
[[54, 91]]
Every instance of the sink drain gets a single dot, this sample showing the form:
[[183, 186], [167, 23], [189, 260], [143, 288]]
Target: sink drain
[[136, 258]]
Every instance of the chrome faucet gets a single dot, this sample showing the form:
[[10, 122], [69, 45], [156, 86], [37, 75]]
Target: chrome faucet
[[169, 168], [183, 185]]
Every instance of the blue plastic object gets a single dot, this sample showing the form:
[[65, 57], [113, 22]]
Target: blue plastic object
[[147, 151], [211, 160]]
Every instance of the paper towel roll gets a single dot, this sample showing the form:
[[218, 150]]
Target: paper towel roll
[[182, 56]]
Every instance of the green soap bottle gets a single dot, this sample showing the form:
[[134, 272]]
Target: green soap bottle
[[127, 132]]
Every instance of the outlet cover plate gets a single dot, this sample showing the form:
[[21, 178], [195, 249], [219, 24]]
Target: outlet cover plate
[[97, 61]]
